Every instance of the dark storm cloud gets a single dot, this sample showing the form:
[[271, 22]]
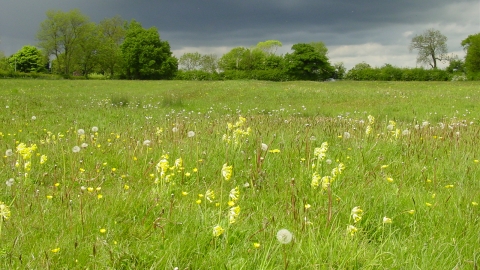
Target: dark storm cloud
[[230, 23]]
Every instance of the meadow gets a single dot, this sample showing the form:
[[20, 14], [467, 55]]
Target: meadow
[[239, 175]]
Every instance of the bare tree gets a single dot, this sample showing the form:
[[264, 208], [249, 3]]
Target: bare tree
[[431, 46]]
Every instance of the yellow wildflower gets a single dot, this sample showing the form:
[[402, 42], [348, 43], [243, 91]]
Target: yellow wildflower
[[227, 171], [4, 211], [218, 230]]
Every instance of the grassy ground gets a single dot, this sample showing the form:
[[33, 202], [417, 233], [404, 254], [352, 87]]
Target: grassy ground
[[136, 175]]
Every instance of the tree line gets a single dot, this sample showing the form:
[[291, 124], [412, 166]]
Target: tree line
[[69, 44]]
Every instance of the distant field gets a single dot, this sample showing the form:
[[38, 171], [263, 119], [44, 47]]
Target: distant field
[[202, 175]]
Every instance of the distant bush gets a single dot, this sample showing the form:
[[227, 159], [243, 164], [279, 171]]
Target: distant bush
[[7, 74], [275, 75], [363, 72], [197, 75]]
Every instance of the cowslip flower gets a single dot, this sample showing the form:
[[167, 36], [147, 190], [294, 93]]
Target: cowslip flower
[[4, 211], [233, 214], [43, 159], [210, 195], [351, 230], [234, 194], [218, 230], [356, 213], [284, 236], [227, 171], [387, 220]]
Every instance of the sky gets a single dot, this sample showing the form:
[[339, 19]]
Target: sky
[[371, 31]]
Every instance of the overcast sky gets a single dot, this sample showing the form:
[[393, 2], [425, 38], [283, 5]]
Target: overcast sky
[[371, 31]]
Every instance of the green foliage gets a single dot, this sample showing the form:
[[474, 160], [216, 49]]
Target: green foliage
[[431, 46], [109, 54], [241, 58], [190, 61], [28, 59], [456, 66], [364, 72], [197, 75], [145, 55], [4, 66], [472, 59], [306, 63], [269, 47], [61, 34]]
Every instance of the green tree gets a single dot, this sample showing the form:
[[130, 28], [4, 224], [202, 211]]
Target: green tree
[[27, 59], [60, 34], [232, 59], [269, 46], [472, 58], [87, 57], [319, 47], [241, 58], [3, 62], [209, 63], [190, 61], [305, 63], [112, 35], [340, 70], [455, 65], [145, 55], [431, 46]]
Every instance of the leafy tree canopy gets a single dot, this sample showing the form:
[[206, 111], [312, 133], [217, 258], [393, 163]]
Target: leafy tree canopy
[[61, 34], [305, 63], [269, 46], [145, 55], [28, 59], [472, 46]]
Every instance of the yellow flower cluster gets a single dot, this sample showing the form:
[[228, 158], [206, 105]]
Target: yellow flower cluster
[[4, 211], [227, 171], [371, 121], [26, 152], [236, 132]]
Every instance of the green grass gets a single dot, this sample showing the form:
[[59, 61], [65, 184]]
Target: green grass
[[109, 206]]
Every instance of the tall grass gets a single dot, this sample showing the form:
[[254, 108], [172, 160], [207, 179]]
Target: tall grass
[[146, 185]]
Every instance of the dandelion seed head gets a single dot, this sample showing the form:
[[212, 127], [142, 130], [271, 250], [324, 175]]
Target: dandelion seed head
[[94, 129], [10, 182], [190, 134], [9, 152], [264, 147], [81, 132], [284, 236], [76, 149], [147, 142]]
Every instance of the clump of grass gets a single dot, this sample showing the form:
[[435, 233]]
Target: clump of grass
[[120, 100], [172, 101]]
